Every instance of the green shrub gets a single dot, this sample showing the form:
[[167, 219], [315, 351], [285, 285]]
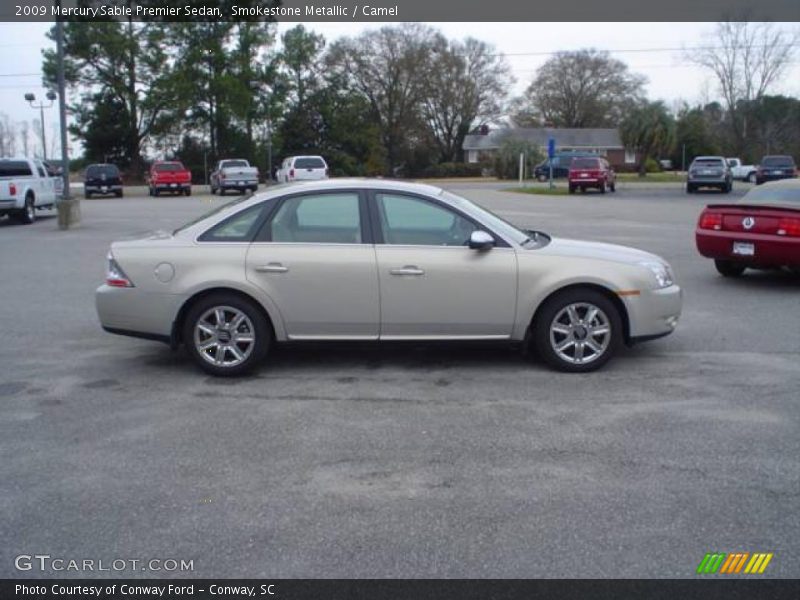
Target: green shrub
[[506, 161], [651, 166]]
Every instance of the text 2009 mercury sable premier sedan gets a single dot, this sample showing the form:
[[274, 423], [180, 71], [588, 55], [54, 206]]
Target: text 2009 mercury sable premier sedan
[[379, 260]]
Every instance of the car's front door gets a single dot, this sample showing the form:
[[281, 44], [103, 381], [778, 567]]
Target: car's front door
[[432, 285], [314, 260]]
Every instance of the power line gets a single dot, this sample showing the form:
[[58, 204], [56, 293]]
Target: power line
[[20, 74]]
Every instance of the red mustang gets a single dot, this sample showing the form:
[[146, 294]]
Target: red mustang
[[761, 231]]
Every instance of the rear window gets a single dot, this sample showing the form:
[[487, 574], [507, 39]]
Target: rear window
[[169, 167], [15, 168], [772, 195], [585, 163], [230, 164], [100, 170], [777, 161], [309, 163], [708, 162]]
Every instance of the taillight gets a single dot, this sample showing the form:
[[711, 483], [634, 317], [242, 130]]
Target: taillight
[[12, 189], [789, 226], [710, 220], [291, 173], [116, 276]]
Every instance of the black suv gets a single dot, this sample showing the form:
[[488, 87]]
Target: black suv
[[102, 179], [775, 167]]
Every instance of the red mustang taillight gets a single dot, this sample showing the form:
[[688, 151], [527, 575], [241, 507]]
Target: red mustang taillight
[[789, 226], [710, 220]]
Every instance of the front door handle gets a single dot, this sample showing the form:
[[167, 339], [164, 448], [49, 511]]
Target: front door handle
[[272, 268], [408, 270]]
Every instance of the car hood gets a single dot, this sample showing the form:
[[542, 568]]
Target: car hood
[[598, 251]]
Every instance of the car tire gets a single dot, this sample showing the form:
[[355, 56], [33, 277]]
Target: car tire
[[602, 187], [690, 189], [728, 268], [156, 192], [118, 194], [613, 187], [27, 215], [86, 195], [187, 192], [201, 327], [572, 189], [550, 331]]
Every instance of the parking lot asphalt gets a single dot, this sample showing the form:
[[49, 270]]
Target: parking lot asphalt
[[400, 461]]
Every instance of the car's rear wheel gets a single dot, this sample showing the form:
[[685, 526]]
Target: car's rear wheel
[[602, 187], [690, 189], [612, 186], [187, 192], [572, 189], [729, 268], [226, 335], [577, 330]]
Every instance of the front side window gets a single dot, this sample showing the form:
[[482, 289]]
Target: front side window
[[318, 219], [406, 220]]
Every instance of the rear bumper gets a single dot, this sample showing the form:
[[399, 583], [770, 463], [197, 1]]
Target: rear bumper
[[238, 185], [102, 189], [12, 204], [770, 250], [130, 310], [172, 186], [653, 313], [707, 182]]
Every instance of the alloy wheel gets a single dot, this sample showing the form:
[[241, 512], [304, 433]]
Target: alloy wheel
[[580, 333]]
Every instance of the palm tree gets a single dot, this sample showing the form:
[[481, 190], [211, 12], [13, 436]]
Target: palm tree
[[648, 129]]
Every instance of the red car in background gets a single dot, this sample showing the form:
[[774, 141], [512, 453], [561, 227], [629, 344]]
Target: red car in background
[[761, 231], [169, 176], [591, 172]]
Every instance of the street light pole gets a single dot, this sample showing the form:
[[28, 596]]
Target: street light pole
[[31, 98]]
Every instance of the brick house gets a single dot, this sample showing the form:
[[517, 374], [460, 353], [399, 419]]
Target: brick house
[[605, 142]]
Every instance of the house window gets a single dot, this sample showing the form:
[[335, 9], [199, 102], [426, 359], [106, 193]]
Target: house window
[[472, 156], [630, 157]]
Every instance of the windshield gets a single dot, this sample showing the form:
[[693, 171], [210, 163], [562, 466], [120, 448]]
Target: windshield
[[309, 163], [98, 170], [169, 167], [230, 164], [772, 195], [707, 162], [14, 168], [498, 224], [777, 161], [585, 163]]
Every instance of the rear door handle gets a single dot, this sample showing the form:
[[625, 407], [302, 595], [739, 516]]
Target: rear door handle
[[272, 268], [408, 270]]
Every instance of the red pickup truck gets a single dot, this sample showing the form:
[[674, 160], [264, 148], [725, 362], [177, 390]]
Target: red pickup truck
[[169, 176]]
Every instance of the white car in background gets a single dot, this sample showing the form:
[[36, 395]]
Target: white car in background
[[302, 168], [25, 187], [379, 260]]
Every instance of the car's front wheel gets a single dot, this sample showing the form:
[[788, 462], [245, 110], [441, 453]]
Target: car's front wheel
[[577, 330], [226, 335], [728, 268]]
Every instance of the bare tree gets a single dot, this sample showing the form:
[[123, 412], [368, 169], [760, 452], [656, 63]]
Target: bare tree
[[8, 135], [465, 86], [387, 66], [24, 134], [585, 88], [746, 59]]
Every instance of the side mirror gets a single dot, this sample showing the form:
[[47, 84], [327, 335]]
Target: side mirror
[[480, 240]]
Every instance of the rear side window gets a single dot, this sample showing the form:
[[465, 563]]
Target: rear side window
[[708, 162], [585, 163], [778, 161], [318, 218], [309, 162], [234, 164], [15, 168], [240, 227]]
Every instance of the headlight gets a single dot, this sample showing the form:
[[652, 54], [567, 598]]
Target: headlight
[[661, 272]]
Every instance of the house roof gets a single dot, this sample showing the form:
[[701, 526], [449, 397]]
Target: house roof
[[565, 138]]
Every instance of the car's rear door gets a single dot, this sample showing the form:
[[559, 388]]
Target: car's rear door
[[314, 257], [432, 285]]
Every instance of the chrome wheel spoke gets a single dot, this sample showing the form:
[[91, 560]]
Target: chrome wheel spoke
[[573, 314], [565, 344], [210, 344], [590, 315], [560, 329], [238, 354], [219, 313], [600, 330], [578, 352], [206, 328], [219, 356], [596, 348]]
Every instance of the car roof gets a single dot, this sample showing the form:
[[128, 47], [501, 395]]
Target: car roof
[[709, 158], [781, 183], [356, 183]]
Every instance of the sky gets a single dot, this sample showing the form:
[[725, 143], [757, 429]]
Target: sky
[[654, 50]]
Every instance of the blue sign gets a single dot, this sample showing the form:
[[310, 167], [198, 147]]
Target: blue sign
[[551, 147]]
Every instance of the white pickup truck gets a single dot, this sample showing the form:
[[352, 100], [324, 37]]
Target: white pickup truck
[[25, 186], [234, 174], [740, 171]]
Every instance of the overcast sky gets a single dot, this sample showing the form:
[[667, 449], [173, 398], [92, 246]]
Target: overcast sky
[[652, 49]]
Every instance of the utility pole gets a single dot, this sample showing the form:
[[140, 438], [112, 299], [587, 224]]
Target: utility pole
[[69, 209], [31, 98]]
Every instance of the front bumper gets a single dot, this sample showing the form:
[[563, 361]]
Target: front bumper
[[133, 312], [653, 313]]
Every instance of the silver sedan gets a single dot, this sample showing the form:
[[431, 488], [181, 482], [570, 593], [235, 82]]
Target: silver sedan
[[379, 260]]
